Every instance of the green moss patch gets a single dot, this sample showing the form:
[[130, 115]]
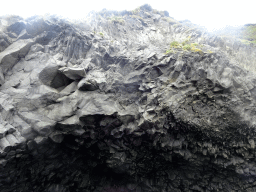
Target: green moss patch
[[185, 45]]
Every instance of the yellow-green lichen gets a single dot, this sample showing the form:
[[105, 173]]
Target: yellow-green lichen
[[194, 49], [185, 45], [175, 44], [249, 33], [137, 17], [116, 19], [170, 51]]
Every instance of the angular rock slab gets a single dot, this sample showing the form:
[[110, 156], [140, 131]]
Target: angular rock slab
[[73, 73], [11, 55]]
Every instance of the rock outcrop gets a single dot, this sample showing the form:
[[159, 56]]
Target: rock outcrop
[[101, 105]]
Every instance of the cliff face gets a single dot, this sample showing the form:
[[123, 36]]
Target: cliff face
[[107, 105]]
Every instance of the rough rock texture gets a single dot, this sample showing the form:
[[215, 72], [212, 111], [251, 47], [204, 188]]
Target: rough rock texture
[[97, 106]]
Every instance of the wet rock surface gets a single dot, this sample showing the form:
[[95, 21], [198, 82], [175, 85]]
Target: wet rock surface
[[98, 106]]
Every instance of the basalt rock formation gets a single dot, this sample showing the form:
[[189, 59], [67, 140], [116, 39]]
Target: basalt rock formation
[[105, 104]]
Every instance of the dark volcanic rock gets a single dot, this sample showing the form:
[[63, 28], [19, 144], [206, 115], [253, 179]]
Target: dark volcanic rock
[[98, 106]]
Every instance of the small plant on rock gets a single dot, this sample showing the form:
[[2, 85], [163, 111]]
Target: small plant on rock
[[169, 51], [186, 47], [116, 19], [249, 33], [137, 17], [175, 44], [194, 49], [194, 44]]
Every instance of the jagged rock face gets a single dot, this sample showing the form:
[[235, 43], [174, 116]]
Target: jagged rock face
[[98, 106]]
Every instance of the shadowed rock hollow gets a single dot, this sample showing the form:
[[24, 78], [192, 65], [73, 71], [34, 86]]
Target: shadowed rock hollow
[[100, 105]]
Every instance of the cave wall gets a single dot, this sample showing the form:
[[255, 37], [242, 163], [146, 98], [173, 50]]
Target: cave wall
[[101, 106]]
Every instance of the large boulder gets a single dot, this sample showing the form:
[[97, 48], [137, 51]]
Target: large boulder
[[51, 76]]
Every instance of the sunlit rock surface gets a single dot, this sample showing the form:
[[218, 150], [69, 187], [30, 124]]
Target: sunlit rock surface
[[97, 106]]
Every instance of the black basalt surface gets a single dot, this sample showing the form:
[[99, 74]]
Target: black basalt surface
[[100, 106]]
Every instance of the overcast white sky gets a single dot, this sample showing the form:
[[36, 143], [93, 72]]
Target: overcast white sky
[[211, 14]]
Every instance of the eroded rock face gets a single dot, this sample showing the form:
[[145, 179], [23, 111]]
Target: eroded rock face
[[98, 106]]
